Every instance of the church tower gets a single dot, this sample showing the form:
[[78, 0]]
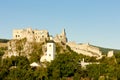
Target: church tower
[[51, 50], [49, 55]]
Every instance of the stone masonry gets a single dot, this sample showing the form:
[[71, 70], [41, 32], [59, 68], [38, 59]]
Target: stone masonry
[[85, 49], [38, 35], [31, 35]]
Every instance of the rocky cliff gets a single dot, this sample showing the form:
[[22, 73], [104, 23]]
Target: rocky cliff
[[22, 48]]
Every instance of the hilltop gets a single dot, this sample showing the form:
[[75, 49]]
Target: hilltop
[[3, 42], [72, 61], [105, 50], [66, 65]]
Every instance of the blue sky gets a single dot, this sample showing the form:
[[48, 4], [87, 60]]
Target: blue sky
[[93, 21]]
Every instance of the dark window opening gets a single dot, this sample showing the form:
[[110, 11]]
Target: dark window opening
[[49, 45]]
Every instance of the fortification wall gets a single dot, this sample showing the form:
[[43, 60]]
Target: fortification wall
[[85, 49], [31, 35], [38, 35]]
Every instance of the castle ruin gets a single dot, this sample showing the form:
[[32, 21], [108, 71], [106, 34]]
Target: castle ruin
[[43, 35], [37, 35]]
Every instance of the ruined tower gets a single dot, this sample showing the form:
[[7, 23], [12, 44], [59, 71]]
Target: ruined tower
[[61, 37]]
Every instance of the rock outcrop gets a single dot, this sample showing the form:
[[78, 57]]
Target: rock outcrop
[[19, 48]]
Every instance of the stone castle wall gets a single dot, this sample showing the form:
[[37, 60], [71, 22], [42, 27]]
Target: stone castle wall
[[37, 35], [31, 35], [85, 49], [61, 37]]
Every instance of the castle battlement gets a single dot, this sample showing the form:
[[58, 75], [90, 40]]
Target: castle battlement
[[85, 49], [31, 35], [37, 35]]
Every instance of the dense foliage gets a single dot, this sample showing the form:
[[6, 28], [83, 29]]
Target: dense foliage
[[105, 50], [17, 68], [66, 66]]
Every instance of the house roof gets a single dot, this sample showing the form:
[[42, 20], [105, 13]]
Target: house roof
[[34, 64]]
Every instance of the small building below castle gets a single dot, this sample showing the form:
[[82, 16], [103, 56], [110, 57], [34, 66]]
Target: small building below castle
[[50, 53]]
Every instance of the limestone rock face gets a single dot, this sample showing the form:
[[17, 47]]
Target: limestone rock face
[[18, 48], [85, 49]]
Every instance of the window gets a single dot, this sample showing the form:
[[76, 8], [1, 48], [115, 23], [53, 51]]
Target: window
[[33, 32], [49, 45], [42, 36], [60, 36]]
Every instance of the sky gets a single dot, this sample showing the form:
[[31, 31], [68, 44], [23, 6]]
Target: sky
[[86, 21]]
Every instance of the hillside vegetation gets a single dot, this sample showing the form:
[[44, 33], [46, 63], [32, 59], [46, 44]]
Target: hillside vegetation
[[105, 50], [4, 40], [66, 65]]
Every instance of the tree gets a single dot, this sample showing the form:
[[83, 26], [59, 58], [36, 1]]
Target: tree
[[80, 73], [64, 65], [108, 68], [93, 71], [36, 53]]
